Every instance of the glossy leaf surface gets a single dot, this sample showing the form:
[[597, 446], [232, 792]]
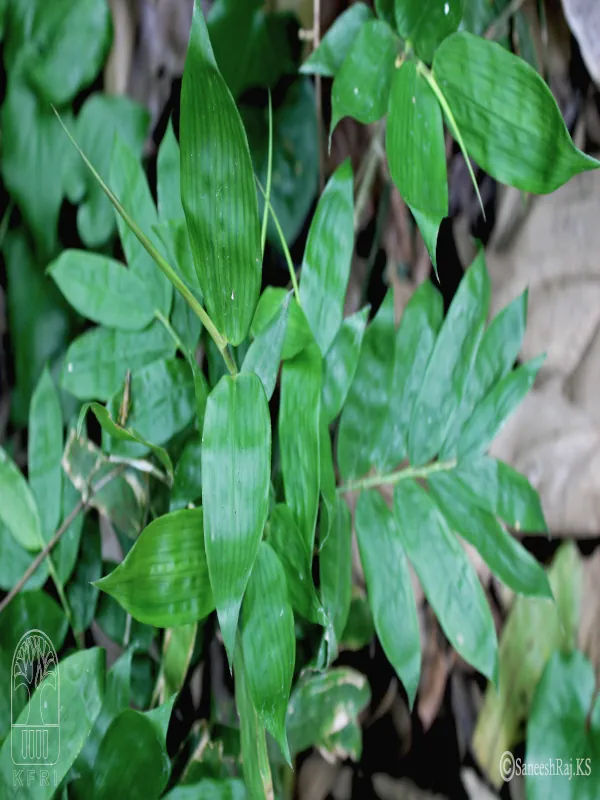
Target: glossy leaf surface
[[426, 23], [335, 567], [329, 56], [264, 354], [339, 365], [298, 334], [18, 509]]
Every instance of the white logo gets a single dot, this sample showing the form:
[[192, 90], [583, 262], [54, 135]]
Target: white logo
[[35, 726], [507, 765]]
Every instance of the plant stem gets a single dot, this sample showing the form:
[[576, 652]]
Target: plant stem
[[172, 332], [373, 481], [82, 505], [286, 251]]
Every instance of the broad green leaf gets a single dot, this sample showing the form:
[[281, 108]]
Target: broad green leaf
[[326, 478], [426, 23], [96, 363], [168, 179], [504, 492], [321, 703], [264, 354], [131, 760], [491, 413], [210, 789], [495, 357], [218, 191], [565, 719], [163, 402], [186, 324], [450, 365], [385, 11], [65, 552], [335, 567], [18, 509], [295, 173], [416, 149], [160, 717], [15, 560], [269, 643], [534, 630], [298, 334], [329, 56], [504, 555], [513, 127], [178, 648], [163, 580], [339, 365], [81, 678], [449, 581], [125, 434], [257, 771], [27, 611], [116, 699], [389, 588], [176, 242], [369, 395], [236, 464], [478, 15], [287, 541], [81, 592], [362, 85], [128, 181], [44, 452], [102, 290], [111, 617], [299, 415], [113, 116], [327, 257], [187, 483], [359, 628], [33, 303], [415, 340]]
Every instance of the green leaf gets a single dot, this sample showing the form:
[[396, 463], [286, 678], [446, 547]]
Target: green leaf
[[168, 177], [341, 360], [389, 588], [495, 357], [210, 789], [295, 174], [18, 509], [114, 116], [102, 290], [369, 395], [65, 552], [131, 760], [178, 648], [298, 334], [359, 628], [491, 413], [257, 771], [186, 323], [264, 354], [416, 149], [287, 541], [81, 592], [320, 703], [218, 191], [513, 128], [327, 257], [478, 15], [25, 612], [176, 242], [187, 484], [335, 567], [81, 692], [236, 463], [15, 560], [96, 362], [327, 59], [450, 365], [449, 581], [163, 402], [385, 11], [415, 340], [565, 719], [504, 492], [44, 452], [361, 87], [504, 555], [535, 628], [299, 438], [269, 643], [426, 23], [163, 580], [123, 434], [128, 181]]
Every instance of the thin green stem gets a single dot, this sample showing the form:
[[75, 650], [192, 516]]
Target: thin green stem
[[286, 251], [374, 481], [429, 77], [228, 358], [160, 261], [263, 237], [172, 332]]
